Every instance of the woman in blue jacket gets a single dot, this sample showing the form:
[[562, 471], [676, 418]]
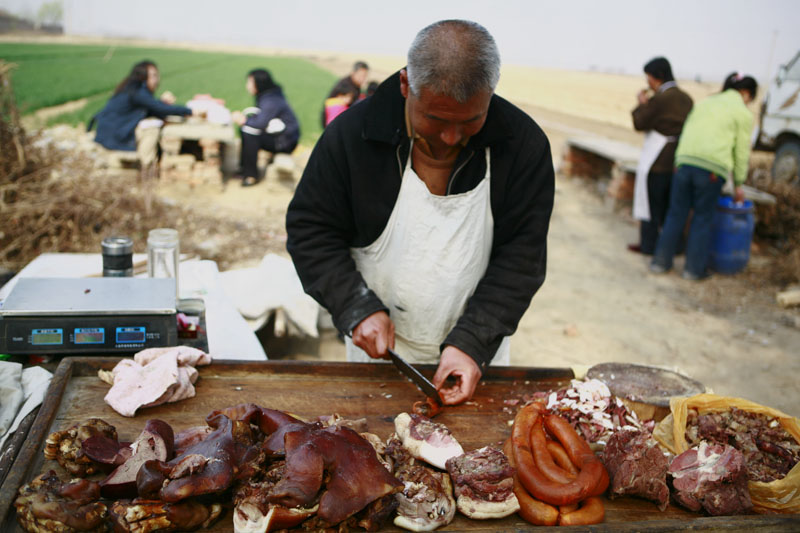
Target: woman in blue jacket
[[132, 102], [272, 126]]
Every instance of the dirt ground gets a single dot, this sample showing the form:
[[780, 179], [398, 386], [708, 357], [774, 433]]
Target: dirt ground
[[599, 302]]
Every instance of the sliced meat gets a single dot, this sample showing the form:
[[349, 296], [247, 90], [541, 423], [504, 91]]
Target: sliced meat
[[155, 442], [427, 440], [484, 483], [711, 477], [637, 467]]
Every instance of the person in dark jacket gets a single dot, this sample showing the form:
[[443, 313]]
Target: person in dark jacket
[[272, 125], [421, 218], [661, 116], [118, 123], [349, 86]]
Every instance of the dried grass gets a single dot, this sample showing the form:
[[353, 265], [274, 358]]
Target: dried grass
[[55, 200]]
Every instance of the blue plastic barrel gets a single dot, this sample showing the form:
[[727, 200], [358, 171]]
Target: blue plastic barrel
[[731, 236]]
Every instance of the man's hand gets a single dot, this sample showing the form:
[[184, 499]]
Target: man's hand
[[463, 368], [738, 194], [375, 334], [642, 97]]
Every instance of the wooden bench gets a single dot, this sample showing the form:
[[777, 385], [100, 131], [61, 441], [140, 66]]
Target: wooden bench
[[613, 164]]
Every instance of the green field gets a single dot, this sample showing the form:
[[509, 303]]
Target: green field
[[48, 75]]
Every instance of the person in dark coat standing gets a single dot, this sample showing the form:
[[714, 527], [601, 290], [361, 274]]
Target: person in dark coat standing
[[118, 123], [272, 125], [349, 86], [661, 116]]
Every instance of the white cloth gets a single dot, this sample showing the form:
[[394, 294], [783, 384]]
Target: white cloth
[[426, 264], [654, 142], [20, 392], [274, 284]]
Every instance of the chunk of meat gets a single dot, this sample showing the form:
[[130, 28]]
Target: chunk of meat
[[49, 504], [637, 467], [155, 442], [711, 477], [66, 446], [147, 516], [210, 466], [354, 476], [426, 502], [427, 440], [484, 483]]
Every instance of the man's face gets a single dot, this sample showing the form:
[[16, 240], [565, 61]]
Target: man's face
[[359, 76], [442, 121]]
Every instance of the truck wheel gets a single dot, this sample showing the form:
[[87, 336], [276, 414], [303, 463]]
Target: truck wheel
[[787, 162]]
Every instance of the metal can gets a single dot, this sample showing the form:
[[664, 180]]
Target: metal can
[[117, 257]]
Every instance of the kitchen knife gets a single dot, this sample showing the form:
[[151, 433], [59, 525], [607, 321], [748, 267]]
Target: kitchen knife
[[414, 375]]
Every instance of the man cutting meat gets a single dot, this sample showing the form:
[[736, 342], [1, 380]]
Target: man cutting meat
[[421, 219]]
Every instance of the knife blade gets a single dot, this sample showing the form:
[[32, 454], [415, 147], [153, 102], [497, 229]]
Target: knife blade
[[415, 376]]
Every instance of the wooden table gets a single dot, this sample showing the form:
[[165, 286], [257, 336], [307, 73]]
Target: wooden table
[[376, 392], [216, 151]]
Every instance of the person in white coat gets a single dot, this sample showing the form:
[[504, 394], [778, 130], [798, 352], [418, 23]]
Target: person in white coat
[[421, 218]]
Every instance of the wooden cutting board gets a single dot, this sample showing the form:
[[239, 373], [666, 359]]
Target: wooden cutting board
[[376, 392]]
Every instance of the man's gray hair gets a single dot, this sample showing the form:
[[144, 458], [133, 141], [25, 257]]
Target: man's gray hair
[[455, 58]]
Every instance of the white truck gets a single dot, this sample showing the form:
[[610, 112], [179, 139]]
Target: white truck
[[779, 124]]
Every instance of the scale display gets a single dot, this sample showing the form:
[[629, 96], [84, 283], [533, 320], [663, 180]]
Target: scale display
[[90, 335], [131, 335], [42, 337]]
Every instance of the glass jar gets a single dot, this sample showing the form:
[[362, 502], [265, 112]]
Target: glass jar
[[162, 254]]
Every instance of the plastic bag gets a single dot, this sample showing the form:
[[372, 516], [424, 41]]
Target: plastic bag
[[779, 496]]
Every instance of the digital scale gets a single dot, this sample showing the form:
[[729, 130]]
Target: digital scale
[[88, 316]]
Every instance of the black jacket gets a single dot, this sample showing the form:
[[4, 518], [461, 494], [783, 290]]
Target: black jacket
[[272, 104], [116, 122], [351, 183]]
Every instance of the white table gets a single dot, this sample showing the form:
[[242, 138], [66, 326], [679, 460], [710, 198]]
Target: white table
[[229, 336]]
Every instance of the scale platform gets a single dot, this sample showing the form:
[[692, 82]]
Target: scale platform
[[88, 316]]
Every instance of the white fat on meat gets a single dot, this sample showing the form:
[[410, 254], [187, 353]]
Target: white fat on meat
[[247, 518], [427, 440]]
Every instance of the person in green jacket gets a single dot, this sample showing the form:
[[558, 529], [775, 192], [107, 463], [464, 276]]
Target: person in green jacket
[[714, 146]]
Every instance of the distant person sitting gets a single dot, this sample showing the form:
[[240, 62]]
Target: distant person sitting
[[349, 85], [661, 117], [271, 125], [121, 124]]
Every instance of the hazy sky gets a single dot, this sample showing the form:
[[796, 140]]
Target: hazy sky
[[709, 38]]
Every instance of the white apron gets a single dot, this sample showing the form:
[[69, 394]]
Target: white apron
[[427, 263], [654, 142]]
